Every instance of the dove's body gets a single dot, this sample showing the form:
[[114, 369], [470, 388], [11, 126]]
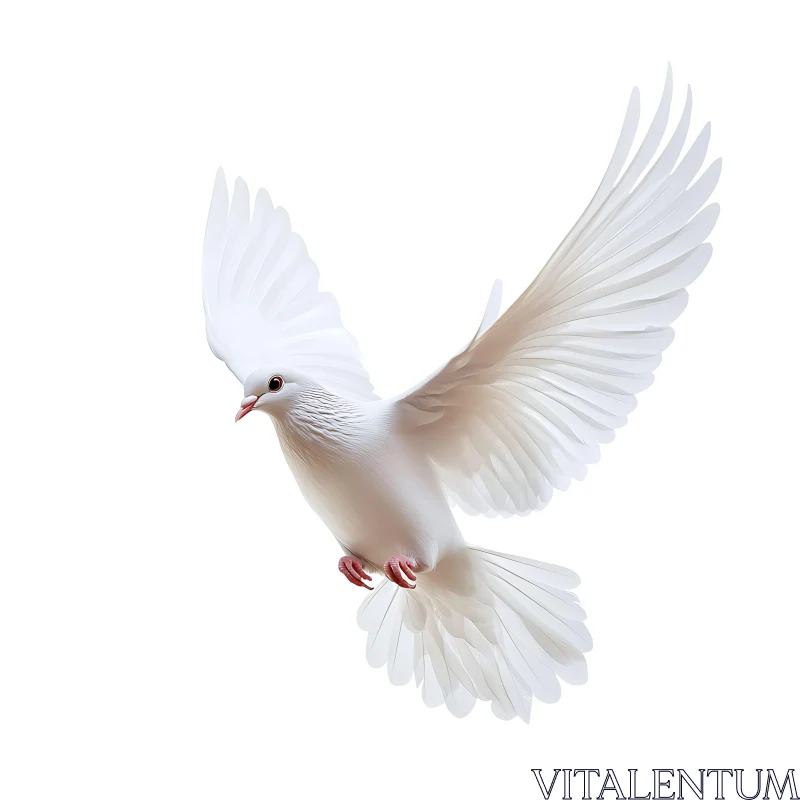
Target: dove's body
[[376, 494], [518, 413]]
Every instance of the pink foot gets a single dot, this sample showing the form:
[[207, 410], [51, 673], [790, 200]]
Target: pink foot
[[400, 570], [353, 570]]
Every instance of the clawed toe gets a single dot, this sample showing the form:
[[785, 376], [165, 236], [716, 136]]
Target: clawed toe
[[400, 570], [353, 570]]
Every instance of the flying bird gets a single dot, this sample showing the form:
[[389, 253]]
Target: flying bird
[[520, 411]]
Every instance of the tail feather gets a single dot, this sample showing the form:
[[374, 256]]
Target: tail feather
[[481, 626]]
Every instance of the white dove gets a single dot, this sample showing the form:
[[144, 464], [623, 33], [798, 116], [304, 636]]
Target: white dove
[[521, 410]]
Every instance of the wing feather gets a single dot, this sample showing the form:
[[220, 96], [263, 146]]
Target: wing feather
[[524, 408], [261, 300]]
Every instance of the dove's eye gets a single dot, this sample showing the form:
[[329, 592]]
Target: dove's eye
[[275, 383]]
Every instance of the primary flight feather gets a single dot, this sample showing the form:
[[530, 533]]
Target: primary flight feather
[[517, 413]]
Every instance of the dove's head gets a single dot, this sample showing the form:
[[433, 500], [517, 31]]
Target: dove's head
[[273, 390]]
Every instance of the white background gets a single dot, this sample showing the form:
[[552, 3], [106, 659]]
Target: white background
[[172, 623]]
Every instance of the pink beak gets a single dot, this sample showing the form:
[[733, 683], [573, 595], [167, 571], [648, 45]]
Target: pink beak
[[248, 404]]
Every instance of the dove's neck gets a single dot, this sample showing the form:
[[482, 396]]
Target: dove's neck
[[320, 423]]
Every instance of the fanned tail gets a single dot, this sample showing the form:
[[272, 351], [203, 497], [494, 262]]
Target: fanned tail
[[481, 626]]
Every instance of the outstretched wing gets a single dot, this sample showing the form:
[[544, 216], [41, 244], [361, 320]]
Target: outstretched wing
[[261, 299], [524, 407]]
